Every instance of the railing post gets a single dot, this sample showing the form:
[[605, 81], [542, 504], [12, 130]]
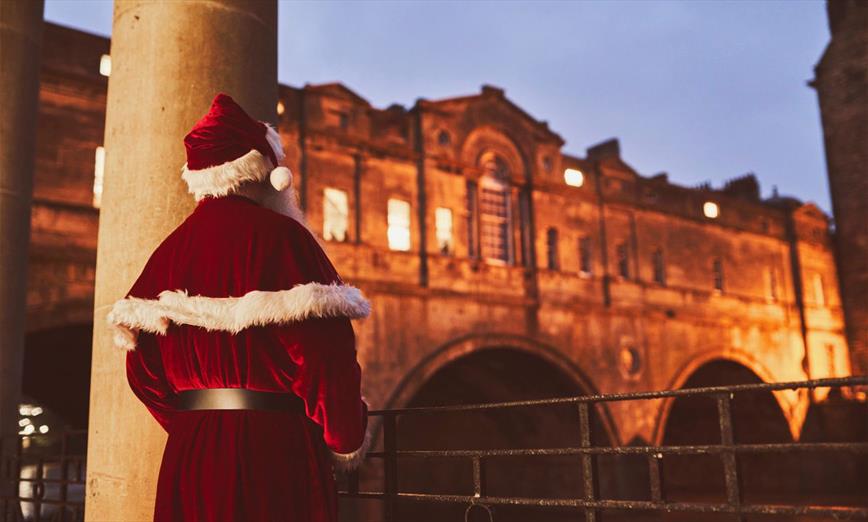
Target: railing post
[[390, 466], [655, 461], [589, 464], [728, 456], [64, 475]]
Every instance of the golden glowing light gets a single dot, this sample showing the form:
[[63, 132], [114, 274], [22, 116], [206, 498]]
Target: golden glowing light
[[574, 177], [105, 65], [280, 108], [710, 209]]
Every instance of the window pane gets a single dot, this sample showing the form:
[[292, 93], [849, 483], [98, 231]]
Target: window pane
[[659, 267], [398, 224], [98, 173], [717, 267], [623, 260], [585, 255], [494, 220], [335, 215], [552, 248], [443, 229]]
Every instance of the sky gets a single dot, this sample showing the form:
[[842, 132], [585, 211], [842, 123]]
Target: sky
[[704, 90]]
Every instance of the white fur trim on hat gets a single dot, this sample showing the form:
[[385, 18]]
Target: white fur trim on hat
[[226, 178], [233, 314]]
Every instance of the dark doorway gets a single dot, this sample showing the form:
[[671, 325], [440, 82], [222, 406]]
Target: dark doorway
[[495, 375], [757, 418], [57, 372]]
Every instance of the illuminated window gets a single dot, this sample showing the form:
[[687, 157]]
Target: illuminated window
[[659, 267], [281, 108], [710, 209], [819, 293], [623, 256], [585, 255], [574, 177], [552, 248], [398, 224], [717, 269], [335, 216], [98, 171], [494, 210], [105, 65], [443, 229]]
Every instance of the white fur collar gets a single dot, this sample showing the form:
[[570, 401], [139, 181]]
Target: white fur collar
[[232, 314]]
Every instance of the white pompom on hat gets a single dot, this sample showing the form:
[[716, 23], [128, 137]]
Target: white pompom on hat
[[281, 178]]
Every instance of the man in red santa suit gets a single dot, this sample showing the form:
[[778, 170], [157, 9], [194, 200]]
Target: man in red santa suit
[[240, 342]]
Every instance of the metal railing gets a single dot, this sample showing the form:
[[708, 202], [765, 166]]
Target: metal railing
[[45, 478], [590, 503]]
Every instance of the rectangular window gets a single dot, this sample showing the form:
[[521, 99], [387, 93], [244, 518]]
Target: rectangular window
[[623, 256], [494, 222], [443, 229], [717, 269], [585, 255], [819, 292], [398, 222], [659, 267], [552, 248], [472, 245], [98, 173], [771, 279], [105, 65], [335, 215]]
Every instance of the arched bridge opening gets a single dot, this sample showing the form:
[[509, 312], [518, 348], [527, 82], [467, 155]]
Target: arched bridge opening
[[486, 376], [757, 418]]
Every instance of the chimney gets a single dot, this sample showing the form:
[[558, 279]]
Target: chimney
[[607, 149]]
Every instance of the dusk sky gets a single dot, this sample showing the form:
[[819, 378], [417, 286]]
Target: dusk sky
[[703, 90]]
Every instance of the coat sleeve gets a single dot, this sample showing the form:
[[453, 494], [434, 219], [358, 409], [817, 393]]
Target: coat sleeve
[[327, 375], [147, 379]]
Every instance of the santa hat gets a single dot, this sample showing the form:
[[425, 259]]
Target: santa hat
[[227, 148]]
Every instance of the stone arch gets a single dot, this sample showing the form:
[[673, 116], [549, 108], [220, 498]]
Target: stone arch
[[490, 140], [496, 368], [788, 401], [757, 418], [459, 347]]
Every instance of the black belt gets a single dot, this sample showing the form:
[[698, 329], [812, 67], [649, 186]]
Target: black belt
[[238, 399]]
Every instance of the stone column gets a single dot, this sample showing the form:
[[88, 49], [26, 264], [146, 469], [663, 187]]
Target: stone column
[[20, 42], [169, 59]]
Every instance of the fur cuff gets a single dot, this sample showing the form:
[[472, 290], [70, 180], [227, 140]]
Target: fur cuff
[[226, 178], [347, 462], [233, 314]]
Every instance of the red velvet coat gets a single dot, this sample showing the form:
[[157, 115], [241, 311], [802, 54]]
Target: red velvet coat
[[241, 296]]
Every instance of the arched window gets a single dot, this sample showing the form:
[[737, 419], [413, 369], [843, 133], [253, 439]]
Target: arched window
[[494, 211]]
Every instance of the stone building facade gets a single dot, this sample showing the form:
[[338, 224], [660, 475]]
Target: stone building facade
[[474, 234]]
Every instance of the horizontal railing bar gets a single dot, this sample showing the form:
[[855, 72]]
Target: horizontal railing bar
[[32, 500], [837, 512], [713, 390], [50, 480], [857, 447]]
